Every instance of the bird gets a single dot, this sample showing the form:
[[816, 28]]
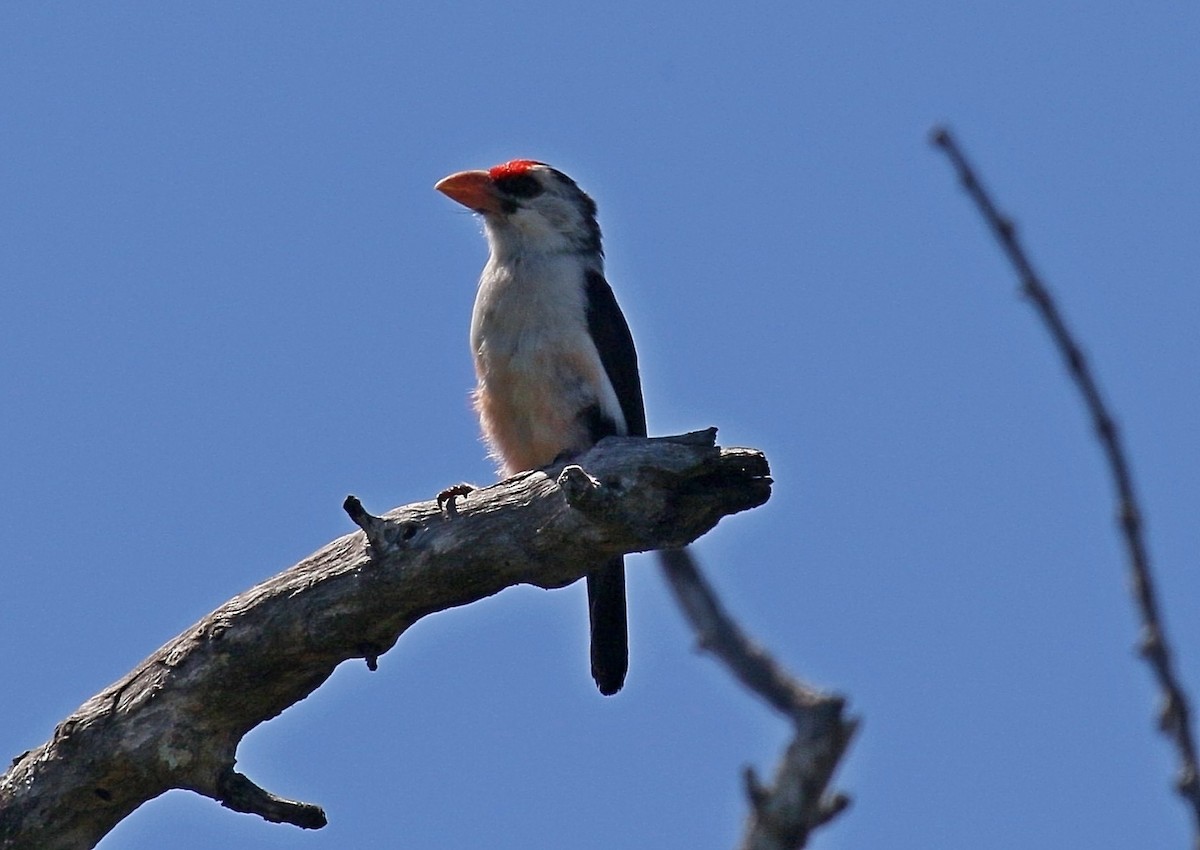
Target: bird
[[555, 362]]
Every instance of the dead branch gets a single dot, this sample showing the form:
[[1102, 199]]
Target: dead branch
[[783, 815], [177, 719], [1174, 715]]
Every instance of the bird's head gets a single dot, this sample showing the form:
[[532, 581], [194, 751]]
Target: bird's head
[[528, 208]]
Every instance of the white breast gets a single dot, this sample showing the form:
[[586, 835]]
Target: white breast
[[537, 367]]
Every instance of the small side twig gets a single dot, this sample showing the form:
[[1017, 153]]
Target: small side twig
[[374, 527], [1174, 719], [786, 812], [238, 793]]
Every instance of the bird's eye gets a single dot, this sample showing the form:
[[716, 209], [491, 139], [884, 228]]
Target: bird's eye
[[520, 186]]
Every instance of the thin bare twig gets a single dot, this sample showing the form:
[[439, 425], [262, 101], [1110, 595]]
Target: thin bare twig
[[1174, 715], [784, 814]]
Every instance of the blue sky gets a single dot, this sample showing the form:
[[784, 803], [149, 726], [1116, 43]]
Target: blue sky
[[230, 296]]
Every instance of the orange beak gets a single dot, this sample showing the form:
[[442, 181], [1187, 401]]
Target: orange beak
[[472, 189]]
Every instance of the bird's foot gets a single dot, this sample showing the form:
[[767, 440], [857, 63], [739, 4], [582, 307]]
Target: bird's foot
[[447, 499]]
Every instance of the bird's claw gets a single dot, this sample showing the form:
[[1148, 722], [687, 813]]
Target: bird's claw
[[446, 499]]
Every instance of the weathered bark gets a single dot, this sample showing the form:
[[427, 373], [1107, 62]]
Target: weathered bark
[[176, 720]]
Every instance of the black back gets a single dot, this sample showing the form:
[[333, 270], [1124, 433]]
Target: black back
[[610, 332]]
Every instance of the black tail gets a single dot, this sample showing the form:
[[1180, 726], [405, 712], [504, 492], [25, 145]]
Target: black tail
[[610, 631]]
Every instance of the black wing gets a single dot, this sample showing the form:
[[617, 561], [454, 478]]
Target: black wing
[[610, 332]]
